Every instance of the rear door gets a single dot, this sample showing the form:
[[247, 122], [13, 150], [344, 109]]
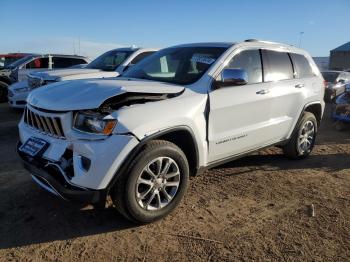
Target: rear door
[[239, 117], [287, 87]]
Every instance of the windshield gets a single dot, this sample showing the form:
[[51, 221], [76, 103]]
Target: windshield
[[330, 76], [109, 61], [19, 62], [179, 65]]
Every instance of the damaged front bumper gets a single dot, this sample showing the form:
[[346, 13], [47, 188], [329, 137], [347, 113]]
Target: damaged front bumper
[[73, 165], [54, 180]]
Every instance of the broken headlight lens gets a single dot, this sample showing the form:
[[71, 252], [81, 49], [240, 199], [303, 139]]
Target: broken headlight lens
[[94, 123]]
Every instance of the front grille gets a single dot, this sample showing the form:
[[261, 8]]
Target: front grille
[[49, 125], [34, 82]]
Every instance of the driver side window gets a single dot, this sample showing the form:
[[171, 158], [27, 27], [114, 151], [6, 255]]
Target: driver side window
[[250, 61]]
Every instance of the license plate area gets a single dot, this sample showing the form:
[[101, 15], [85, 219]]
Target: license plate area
[[34, 146]]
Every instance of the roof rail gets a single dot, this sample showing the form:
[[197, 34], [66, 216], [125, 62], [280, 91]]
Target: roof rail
[[264, 41]]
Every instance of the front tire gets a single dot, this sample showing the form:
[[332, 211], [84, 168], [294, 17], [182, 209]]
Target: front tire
[[303, 139], [154, 184]]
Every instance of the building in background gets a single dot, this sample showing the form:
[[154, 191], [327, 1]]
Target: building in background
[[340, 57], [322, 62]]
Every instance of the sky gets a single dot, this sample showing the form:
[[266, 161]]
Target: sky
[[91, 27]]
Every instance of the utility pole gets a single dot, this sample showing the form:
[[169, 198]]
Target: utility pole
[[300, 36]]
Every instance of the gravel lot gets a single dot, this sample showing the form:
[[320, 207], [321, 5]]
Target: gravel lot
[[255, 208]]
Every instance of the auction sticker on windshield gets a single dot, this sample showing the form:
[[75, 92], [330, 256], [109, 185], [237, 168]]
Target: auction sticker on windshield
[[204, 59]]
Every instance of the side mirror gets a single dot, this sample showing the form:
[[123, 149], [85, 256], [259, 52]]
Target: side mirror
[[233, 77]]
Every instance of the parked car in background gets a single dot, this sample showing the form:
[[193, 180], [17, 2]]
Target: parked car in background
[[341, 110], [36, 63], [18, 70], [7, 59], [182, 110], [5, 81], [109, 64], [335, 83]]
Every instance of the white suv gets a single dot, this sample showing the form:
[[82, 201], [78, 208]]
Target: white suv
[[182, 110], [109, 64]]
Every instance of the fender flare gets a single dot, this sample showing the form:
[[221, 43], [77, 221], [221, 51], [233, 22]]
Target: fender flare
[[128, 159], [301, 115]]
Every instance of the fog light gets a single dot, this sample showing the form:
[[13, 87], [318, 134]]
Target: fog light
[[85, 163]]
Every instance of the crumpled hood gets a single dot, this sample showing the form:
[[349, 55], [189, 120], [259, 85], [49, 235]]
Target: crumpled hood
[[78, 73], [91, 93]]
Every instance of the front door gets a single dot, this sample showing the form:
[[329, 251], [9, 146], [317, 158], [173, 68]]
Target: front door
[[239, 117]]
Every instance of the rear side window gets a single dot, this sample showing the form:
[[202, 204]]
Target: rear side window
[[38, 63], [139, 57], [64, 62], [302, 66], [250, 61], [77, 61], [277, 66], [61, 62]]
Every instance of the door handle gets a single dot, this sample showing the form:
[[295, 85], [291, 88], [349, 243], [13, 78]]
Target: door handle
[[262, 92], [299, 85]]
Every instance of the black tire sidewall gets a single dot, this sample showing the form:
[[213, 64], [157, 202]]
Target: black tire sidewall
[[134, 209]]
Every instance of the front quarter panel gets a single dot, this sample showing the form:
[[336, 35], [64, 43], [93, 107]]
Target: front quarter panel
[[143, 120]]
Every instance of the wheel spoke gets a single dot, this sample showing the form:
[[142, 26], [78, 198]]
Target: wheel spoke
[[150, 199], [159, 202], [172, 184], [158, 163], [145, 193], [141, 180], [170, 175], [150, 172], [166, 167], [167, 196]]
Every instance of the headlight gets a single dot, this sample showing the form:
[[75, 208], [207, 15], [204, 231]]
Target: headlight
[[22, 89], [93, 122]]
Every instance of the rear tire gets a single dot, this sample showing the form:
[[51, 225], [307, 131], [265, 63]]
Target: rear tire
[[302, 141], [3, 92], [154, 183]]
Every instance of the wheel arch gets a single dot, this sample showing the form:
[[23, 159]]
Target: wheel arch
[[316, 109], [182, 136]]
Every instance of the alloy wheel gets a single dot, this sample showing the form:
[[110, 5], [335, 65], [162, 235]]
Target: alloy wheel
[[306, 137], [158, 183]]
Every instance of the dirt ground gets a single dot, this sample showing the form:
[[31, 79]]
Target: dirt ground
[[255, 208]]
